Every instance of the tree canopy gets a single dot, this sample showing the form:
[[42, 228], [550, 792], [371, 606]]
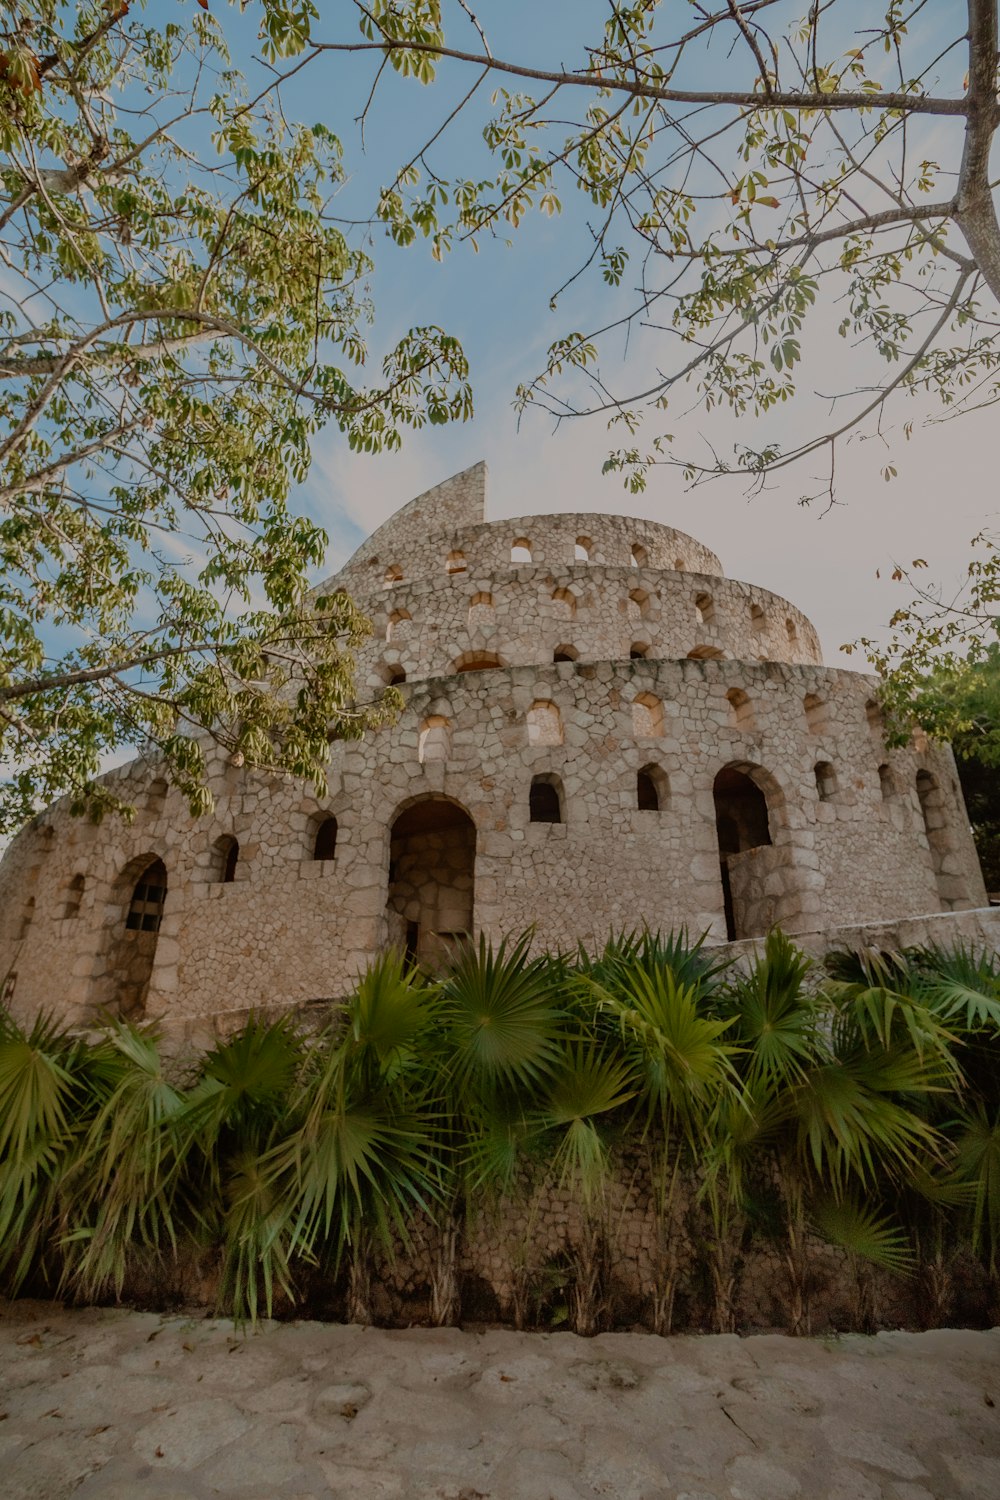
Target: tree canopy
[[181, 311], [759, 183], [179, 315]]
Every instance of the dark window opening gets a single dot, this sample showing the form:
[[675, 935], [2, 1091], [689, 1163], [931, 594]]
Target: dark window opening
[[647, 796], [146, 907], [826, 780], [543, 802], [326, 839]]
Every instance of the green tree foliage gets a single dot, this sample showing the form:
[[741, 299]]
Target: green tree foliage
[[956, 697], [758, 177], [861, 1108], [179, 315]]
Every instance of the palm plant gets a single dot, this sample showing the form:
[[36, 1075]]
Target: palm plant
[[359, 1149], [588, 1090], [122, 1184], [834, 1082], [657, 998], [234, 1113], [504, 1026], [44, 1103]]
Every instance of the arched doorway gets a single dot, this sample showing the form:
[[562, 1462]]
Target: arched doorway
[[432, 864], [133, 925], [743, 823]]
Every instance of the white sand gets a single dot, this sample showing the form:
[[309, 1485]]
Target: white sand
[[104, 1405]]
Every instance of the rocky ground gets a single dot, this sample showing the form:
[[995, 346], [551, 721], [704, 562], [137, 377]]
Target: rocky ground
[[112, 1405]]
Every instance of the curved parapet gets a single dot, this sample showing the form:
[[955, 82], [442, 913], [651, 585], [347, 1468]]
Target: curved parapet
[[583, 612], [428, 543]]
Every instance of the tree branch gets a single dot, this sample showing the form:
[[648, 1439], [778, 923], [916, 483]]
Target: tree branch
[[920, 104]]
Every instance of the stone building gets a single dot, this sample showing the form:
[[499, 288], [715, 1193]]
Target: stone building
[[600, 730]]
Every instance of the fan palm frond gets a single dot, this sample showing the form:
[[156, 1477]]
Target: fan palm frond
[[504, 1016], [675, 1047], [866, 1232], [590, 1085], [976, 1167], [775, 1017]]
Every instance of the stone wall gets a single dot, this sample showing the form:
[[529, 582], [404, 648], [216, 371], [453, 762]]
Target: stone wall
[[631, 753]]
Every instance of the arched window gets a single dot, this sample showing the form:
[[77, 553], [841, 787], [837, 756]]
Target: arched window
[[873, 715], [545, 800], [638, 651], [758, 619], [227, 854], [887, 782], [74, 896], [581, 552], [647, 717], [455, 562], [565, 653], [564, 604], [704, 608], [705, 653], [481, 611], [652, 789], [740, 709], [396, 624], [325, 845], [156, 796], [476, 661], [638, 605], [792, 632], [816, 712], [434, 742], [392, 575], [145, 911], [520, 550], [394, 676], [679, 565], [826, 780], [544, 723], [639, 556]]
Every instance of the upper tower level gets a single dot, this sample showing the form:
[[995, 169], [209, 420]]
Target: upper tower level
[[449, 591], [445, 531]]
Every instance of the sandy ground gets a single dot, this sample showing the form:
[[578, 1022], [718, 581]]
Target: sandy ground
[[110, 1405]]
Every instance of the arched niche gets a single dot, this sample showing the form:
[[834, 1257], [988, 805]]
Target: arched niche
[[431, 890], [325, 838], [226, 857], [545, 799], [132, 925], [477, 661], [746, 799], [951, 886], [652, 789], [544, 723], [434, 739]]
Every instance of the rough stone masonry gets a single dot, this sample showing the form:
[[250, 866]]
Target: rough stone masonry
[[600, 730]]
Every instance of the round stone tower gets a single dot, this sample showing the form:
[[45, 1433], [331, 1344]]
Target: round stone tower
[[600, 730]]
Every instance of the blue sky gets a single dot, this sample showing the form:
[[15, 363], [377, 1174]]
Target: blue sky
[[497, 303]]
